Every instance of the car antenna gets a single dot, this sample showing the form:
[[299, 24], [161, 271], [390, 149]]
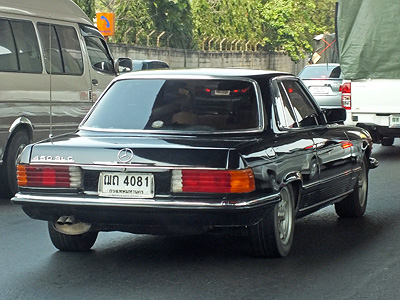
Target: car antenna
[[50, 90]]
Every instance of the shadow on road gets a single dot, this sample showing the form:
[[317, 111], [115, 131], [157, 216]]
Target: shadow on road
[[386, 153]]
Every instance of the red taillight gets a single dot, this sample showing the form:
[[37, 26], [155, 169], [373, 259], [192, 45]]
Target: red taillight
[[49, 176], [243, 91], [213, 181], [345, 88]]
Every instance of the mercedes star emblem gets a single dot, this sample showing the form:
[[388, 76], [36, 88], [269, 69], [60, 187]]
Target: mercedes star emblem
[[125, 155]]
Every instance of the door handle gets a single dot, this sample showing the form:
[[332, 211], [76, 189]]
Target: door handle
[[95, 81]]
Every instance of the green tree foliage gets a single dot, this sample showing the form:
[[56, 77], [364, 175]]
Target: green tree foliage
[[234, 20], [288, 26], [88, 6], [277, 25], [132, 19], [136, 20], [175, 18], [324, 16]]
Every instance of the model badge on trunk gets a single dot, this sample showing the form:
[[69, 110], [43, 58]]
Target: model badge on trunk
[[57, 158]]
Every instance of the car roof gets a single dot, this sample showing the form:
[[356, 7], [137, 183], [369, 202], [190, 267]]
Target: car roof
[[64, 10], [201, 72]]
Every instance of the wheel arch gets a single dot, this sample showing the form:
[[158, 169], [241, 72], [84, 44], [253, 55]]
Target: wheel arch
[[20, 124], [295, 179], [20, 134]]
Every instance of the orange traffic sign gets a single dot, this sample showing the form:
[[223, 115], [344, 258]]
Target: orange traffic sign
[[105, 23]]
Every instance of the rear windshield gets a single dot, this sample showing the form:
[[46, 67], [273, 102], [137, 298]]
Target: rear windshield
[[165, 105], [321, 72]]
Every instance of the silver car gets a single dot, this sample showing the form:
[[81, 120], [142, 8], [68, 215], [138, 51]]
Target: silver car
[[323, 81]]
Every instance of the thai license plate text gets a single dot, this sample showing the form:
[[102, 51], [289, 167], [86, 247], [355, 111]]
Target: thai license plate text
[[126, 185]]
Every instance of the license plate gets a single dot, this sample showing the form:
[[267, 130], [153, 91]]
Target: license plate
[[126, 185], [222, 92], [319, 90], [394, 121]]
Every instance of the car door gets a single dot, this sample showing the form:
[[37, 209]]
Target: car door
[[64, 82], [333, 149], [294, 145]]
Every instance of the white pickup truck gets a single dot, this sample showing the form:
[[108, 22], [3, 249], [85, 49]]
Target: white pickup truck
[[374, 104], [369, 44]]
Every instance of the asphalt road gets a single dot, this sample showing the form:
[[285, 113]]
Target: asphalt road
[[331, 258]]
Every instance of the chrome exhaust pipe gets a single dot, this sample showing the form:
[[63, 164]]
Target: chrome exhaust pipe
[[61, 220], [71, 226], [70, 220]]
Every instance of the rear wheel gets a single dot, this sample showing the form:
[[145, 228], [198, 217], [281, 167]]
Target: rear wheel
[[78, 243], [355, 204], [273, 236], [9, 185]]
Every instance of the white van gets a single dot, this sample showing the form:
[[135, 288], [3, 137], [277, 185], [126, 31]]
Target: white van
[[54, 64]]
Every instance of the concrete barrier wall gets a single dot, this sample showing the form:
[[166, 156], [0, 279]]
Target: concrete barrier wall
[[178, 58]]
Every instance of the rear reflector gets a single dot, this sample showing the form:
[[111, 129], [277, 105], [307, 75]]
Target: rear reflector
[[346, 144], [212, 181], [49, 176]]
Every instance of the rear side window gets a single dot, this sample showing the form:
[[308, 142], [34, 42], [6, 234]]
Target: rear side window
[[294, 106], [19, 48], [62, 51]]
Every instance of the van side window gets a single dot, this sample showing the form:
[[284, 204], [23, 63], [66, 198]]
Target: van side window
[[8, 56], [99, 56], [62, 51], [19, 48]]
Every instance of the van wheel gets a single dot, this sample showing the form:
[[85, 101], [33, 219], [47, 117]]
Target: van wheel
[[273, 236], [77, 243], [9, 185], [387, 141]]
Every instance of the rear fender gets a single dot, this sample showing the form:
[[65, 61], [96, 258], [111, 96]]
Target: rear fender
[[20, 124]]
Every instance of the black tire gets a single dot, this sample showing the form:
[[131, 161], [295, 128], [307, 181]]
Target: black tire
[[77, 243], [355, 204], [9, 185], [273, 236], [387, 141]]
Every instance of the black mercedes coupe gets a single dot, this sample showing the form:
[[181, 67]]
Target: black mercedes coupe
[[197, 150]]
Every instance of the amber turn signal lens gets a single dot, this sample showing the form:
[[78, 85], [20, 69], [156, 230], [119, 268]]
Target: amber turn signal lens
[[21, 175]]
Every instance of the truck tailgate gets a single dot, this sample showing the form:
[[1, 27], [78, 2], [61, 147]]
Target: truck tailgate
[[378, 96]]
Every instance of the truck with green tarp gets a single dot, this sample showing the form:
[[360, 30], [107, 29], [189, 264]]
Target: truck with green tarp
[[369, 49]]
